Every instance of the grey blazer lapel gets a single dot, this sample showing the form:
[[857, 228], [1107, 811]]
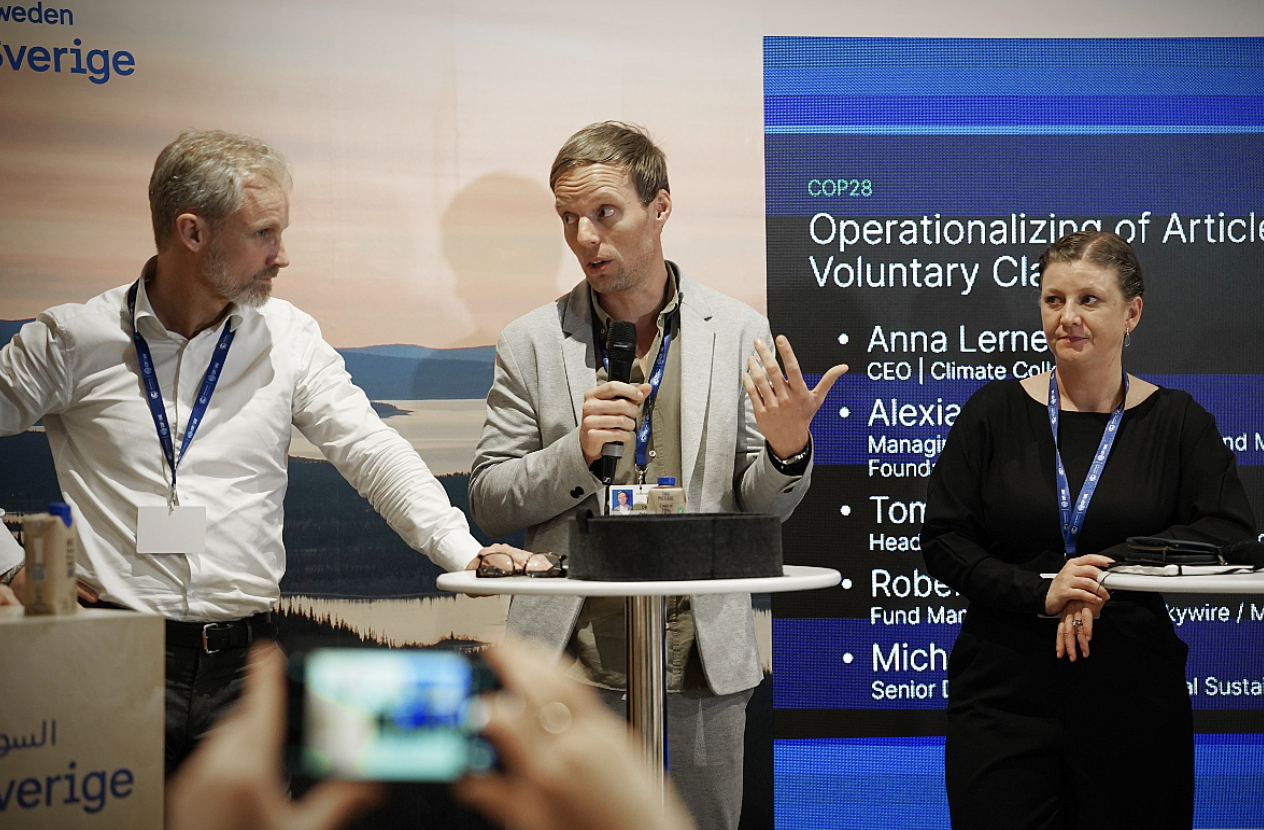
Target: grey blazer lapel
[[578, 353], [697, 352]]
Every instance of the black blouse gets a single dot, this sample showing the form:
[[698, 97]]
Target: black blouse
[[992, 524]]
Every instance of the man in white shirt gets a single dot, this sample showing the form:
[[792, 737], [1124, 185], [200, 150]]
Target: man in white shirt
[[169, 404]]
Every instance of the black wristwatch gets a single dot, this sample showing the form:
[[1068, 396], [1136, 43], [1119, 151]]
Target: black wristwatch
[[795, 465]]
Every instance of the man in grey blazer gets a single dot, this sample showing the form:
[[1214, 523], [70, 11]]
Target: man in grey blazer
[[551, 409]]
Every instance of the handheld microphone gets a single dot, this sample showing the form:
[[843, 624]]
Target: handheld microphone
[[620, 354]]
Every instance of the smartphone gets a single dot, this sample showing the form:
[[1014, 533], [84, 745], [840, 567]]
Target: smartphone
[[387, 714]]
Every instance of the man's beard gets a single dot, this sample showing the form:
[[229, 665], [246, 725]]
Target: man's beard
[[252, 295]]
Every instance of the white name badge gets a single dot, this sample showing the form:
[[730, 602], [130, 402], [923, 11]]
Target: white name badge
[[626, 499], [179, 529]]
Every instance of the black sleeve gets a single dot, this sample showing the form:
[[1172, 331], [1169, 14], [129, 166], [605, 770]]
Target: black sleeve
[[955, 541], [1213, 503]]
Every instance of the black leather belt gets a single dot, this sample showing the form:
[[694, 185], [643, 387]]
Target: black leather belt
[[218, 636]]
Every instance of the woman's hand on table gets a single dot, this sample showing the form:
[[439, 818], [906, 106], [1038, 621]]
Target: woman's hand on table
[[1077, 598], [1077, 582]]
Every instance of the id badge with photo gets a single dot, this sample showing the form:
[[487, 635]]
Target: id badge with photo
[[175, 529], [625, 499]]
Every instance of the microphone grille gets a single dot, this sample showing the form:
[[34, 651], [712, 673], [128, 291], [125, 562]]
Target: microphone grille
[[621, 338]]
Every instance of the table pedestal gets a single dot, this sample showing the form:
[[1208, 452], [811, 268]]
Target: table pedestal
[[647, 681], [647, 628]]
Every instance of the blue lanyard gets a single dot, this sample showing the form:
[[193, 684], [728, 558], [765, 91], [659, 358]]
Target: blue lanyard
[[153, 394], [656, 380], [647, 420], [1073, 519]]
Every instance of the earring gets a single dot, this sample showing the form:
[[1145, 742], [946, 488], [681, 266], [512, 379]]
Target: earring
[[1127, 338]]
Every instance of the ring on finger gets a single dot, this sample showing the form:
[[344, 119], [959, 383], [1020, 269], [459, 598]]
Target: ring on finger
[[554, 717], [1077, 622]]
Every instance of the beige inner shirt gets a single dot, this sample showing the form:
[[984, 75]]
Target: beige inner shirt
[[599, 643]]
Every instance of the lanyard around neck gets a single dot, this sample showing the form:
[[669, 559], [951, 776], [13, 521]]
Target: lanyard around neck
[[153, 394], [1073, 517], [646, 429]]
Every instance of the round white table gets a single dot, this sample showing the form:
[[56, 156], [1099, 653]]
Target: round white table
[[793, 578], [1251, 582], [647, 623]]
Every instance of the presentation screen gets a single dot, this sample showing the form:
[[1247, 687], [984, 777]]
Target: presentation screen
[[912, 185]]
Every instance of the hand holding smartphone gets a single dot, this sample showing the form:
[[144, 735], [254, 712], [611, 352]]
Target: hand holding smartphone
[[387, 714]]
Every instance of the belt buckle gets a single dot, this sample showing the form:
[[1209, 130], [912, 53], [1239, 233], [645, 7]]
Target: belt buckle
[[206, 646]]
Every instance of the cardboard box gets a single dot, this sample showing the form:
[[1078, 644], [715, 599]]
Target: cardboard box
[[81, 720]]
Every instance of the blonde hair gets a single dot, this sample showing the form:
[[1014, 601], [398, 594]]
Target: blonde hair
[[621, 145]]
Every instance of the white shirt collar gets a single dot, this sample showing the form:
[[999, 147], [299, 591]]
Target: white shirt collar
[[147, 320]]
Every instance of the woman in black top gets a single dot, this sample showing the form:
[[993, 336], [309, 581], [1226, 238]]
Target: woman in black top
[[1039, 735]]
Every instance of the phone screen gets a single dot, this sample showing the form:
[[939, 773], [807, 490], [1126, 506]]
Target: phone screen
[[386, 714]]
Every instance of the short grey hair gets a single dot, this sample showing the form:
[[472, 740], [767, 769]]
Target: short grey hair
[[206, 173]]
